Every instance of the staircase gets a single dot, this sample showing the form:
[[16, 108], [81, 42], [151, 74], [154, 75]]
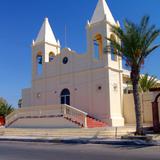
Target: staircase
[[42, 116], [56, 122], [93, 123]]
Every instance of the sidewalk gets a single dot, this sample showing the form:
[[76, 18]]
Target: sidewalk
[[109, 135]]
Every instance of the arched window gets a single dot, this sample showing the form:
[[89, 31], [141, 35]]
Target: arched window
[[65, 96], [113, 52], [98, 46], [39, 60], [51, 57]]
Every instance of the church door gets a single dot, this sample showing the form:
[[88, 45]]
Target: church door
[[65, 97]]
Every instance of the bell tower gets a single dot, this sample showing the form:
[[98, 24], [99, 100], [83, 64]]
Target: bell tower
[[98, 30], [44, 48]]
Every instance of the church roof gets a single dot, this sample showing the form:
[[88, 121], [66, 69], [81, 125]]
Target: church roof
[[46, 34], [102, 10]]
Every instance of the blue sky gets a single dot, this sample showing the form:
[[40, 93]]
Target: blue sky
[[22, 19]]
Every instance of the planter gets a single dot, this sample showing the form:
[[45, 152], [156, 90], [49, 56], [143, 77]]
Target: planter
[[2, 121]]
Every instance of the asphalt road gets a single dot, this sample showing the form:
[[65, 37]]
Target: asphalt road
[[41, 151]]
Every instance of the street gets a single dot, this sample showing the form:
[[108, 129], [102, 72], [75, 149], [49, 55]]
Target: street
[[45, 151]]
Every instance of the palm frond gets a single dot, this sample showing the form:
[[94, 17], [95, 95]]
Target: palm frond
[[136, 40], [5, 108], [146, 82]]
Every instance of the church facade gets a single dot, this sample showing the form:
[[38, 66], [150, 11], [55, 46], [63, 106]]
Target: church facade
[[91, 82]]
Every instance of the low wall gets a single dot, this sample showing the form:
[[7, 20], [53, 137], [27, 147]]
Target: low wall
[[146, 100]]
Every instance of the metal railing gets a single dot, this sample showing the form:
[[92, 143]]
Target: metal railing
[[67, 111]]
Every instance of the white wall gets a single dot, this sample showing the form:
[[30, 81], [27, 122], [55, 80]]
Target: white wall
[[26, 97], [82, 77]]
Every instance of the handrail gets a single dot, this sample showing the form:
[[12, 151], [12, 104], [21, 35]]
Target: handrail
[[85, 113], [75, 114]]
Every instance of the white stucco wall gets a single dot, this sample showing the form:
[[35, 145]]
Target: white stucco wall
[[26, 97], [82, 76]]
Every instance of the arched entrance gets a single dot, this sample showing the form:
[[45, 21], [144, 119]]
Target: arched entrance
[[65, 96]]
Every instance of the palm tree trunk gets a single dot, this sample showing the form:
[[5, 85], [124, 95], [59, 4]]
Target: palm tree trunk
[[138, 108]]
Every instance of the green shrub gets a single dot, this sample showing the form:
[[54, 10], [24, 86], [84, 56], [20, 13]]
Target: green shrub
[[5, 108]]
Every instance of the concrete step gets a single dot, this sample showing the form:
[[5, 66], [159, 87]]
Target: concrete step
[[102, 133], [70, 129], [94, 123]]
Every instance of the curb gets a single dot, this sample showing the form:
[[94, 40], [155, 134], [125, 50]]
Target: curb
[[80, 141]]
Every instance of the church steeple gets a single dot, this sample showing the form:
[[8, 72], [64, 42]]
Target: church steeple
[[101, 12], [46, 34], [44, 49], [98, 29]]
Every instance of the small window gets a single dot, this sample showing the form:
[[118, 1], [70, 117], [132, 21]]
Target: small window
[[113, 52], [51, 57], [65, 60], [96, 50], [98, 46], [39, 60]]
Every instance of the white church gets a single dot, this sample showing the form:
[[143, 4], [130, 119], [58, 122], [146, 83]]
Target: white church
[[91, 82]]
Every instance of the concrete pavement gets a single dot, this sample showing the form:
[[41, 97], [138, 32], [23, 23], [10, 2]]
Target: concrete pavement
[[81, 136], [45, 151]]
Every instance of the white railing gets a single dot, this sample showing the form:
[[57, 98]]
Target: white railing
[[46, 111], [75, 114]]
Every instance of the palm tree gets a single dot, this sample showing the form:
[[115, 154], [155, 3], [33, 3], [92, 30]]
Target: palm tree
[[5, 108], [134, 45], [147, 82]]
